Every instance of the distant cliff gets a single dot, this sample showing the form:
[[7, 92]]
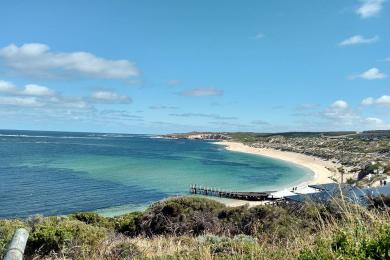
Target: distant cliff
[[199, 136]]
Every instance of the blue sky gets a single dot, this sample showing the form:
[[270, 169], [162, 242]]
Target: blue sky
[[177, 66]]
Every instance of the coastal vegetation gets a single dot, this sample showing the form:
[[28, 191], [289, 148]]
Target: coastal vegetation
[[365, 156], [199, 228]]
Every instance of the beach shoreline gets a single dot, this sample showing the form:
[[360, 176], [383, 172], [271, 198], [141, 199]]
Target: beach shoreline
[[323, 171]]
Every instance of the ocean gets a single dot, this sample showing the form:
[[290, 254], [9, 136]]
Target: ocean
[[58, 173]]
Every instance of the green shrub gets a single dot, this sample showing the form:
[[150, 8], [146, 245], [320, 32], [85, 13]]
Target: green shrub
[[94, 219], [257, 221], [357, 243], [127, 224], [183, 215], [335, 230], [58, 234]]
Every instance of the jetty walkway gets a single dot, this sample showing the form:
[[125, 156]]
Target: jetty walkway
[[211, 191]]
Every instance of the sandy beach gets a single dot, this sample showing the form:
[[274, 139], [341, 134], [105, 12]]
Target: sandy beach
[[324, 171]]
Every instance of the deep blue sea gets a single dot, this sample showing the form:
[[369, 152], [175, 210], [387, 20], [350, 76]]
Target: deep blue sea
[[56, 173]]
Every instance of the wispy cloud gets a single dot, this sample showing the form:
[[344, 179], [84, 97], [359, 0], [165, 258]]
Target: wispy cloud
[[20, 101], [259, 36], [374, 121], [213, 116], [339, 113], [111, 114], [370, 74], [381, 101], [162, 107], [42, 104], [106, 96], [370, 8], [306, 109], [37, 60], [174, 82], [358, 39], [307, 106], [259, 122], [134, 82], [202, 92]]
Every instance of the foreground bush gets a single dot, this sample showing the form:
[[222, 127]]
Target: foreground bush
[[58, 235], [92, 218], [127, 224], [352, 243], [197, 228], [185, 215]]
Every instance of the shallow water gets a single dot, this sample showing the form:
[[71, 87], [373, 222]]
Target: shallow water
[[59, 173]]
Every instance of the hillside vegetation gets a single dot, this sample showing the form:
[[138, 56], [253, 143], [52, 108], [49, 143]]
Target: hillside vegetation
[[365, 156], [197, 228]]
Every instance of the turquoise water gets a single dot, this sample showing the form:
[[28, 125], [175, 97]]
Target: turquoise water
[[60, 173]]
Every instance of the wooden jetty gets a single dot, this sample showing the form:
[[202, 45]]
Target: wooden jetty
[[211, 191]]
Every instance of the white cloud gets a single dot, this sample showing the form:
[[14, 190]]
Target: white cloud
[[46, 98], [28, 90], [374, 123], [7, 87], [37, 60], [339, 113], [36, 90], [368, 101], [202, 92], [370, 8], [69, 102], [20, 101], [374, 120], [387, 59], [370, 74], [381, 101], [339, 104], [358, 39], [340, 116], [110, 97], [39, 96]]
